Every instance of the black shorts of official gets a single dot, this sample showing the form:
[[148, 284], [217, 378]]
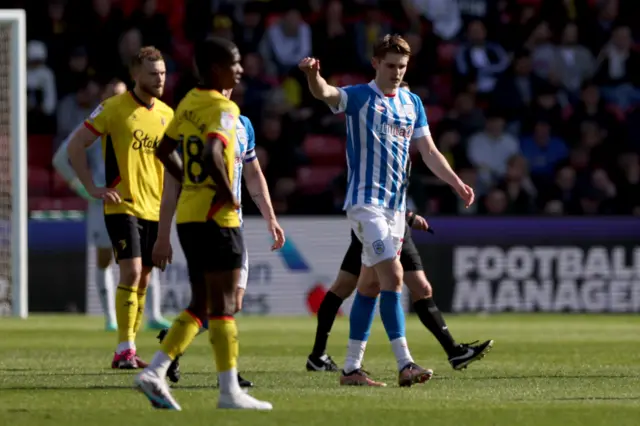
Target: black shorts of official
[[208, 247], [131, 237], [409, 256]]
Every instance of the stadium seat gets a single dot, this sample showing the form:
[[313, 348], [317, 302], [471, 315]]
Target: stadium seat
[[60, 187], [324, 150], [39, 182], [316, 179], [40, 150]]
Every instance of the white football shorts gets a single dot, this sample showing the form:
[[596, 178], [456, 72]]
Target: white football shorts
[[244, 270], [96, 229], [380, 230]]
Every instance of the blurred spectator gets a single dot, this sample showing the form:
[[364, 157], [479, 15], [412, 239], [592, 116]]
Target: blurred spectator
[[591, 107], [571, 63], [153, 26], [76, 107], [100, 27], [600, 197], [490, 149], [256, 86], [543, 152], [628, 183], [444, 15], [481, 61], [545, 107], [564, 190], [542, 49], [599, 30], [285, 43], [42, 96], [76, 69], [332, 41], [518, 187], [250, 33], [128, 46], [517, 88], [367, 32], [465, 115], [619, 70], [495, 203]]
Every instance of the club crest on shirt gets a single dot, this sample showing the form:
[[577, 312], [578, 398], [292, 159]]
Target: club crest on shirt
[[162, 120], [410, 110], [96, 112], [226, 120], [380, 108], [378, 247]]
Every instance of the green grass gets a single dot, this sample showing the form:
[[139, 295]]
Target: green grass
[[543, 371]]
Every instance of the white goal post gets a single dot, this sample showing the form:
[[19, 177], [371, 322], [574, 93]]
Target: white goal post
[[13, 163]]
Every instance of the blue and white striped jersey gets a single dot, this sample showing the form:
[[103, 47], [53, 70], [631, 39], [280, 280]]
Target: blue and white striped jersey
[[245, 153], [379, 131]]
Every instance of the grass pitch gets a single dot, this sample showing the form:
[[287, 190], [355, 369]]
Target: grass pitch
[[543, 371]]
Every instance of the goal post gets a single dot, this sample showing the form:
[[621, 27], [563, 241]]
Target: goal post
[[13, 163]]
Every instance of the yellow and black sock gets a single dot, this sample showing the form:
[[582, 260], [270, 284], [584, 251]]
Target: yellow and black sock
[[142, 300], [126, 312], [185, 327], [223, 335]]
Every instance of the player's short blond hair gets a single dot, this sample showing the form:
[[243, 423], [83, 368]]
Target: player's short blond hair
[[391, 44], [146, 53]]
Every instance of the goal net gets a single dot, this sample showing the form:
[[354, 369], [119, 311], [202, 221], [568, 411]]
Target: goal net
[[13, 164]]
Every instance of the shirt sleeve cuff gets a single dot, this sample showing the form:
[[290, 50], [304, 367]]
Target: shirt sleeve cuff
[[342, 103], [93, 129], [220, 136], [420, 132]]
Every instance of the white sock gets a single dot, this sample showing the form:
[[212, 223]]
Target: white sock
[[123, 346], [355, 354], [160, 364], [104, 282], [401, 352], [229, 381], [154, 298]]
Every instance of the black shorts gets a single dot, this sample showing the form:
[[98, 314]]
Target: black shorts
[[208, 247], [409, 256], [131, 237]]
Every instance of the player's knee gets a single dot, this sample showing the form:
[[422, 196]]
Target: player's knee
[[130, 274], [389, 274], [344, 285], [199, 310]]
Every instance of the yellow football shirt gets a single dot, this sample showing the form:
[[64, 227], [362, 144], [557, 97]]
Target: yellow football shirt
[[204, 113], [130, 132]]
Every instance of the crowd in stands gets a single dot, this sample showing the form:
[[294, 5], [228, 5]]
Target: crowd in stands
[[536, 103]]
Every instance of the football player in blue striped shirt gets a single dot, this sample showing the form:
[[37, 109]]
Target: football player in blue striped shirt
[[382, 120]]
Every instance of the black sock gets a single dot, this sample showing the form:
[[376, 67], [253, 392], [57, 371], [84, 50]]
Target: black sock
[[431, 317], [326, 315]]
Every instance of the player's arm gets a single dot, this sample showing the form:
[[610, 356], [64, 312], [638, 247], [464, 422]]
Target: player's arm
[[162, 252], [168, 155], [434, 159], [81, 139], [63, 167], [258, 189], [318, 86]]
